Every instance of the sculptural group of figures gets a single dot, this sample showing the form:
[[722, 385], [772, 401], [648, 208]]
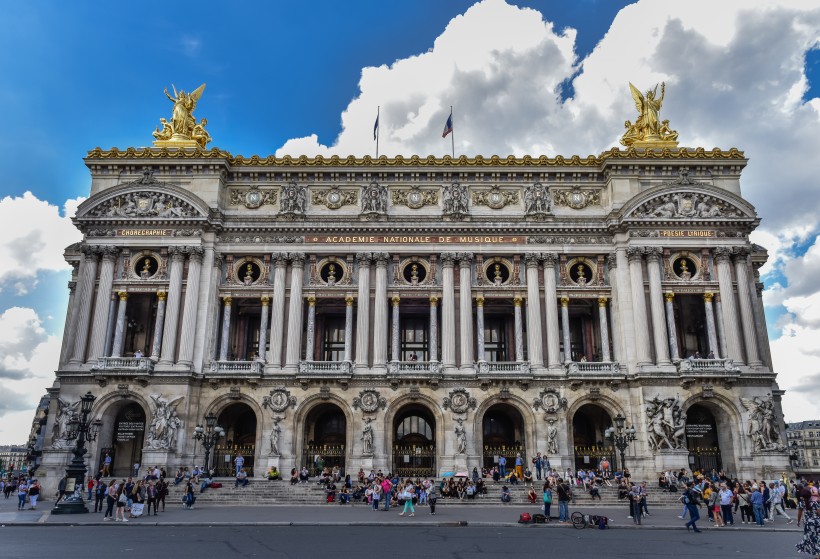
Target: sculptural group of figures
[[762, 424], [454, 198], [294, 199], [667, 423], [183, 125], [648, 126], [374, 198], [165, 424], [537, 199], [66, 411], [678, 205], [144, 204]]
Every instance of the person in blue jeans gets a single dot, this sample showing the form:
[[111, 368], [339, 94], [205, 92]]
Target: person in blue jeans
[[756, 499], [563, 501], [690, 500], [502, 466]]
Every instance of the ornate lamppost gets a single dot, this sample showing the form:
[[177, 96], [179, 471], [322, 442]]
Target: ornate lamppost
[[620, 436], [84, 431], [208, 436]]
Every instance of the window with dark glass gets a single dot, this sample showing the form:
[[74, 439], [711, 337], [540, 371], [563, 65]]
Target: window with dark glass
[[495, 339], [414, 338], [333, 343]]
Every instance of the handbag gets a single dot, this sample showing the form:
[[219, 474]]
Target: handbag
[[122, 498]]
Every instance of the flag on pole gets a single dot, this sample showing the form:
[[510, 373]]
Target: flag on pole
[[448, 128], [376, 127]]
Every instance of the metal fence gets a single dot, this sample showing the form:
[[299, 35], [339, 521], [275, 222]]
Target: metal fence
[[317, 457], [223, 457], [492, 454], [414, 461]]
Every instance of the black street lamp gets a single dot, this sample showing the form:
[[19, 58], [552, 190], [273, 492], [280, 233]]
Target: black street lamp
[[620, 436], [208, 436], [84, 431]]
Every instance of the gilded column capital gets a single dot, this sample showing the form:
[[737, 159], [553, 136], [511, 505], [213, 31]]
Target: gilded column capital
[[311, 300], [349, 300], [668, 296], [550, 259], [564, 301], [602, 301], [723, 254], [635, 253], [479, 300], [123, 295], [265, 300], [653, 254], [227, 300], [395, 300], [162, 295], [433, 300], [517, 300], [532, 259], [448, 259], [708, 296]]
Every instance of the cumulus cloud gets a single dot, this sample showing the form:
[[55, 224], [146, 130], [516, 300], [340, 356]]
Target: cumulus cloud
[[33, 235]]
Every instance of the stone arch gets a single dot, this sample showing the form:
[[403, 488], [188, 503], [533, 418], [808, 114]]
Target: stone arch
[[108, 408], [85, 210], [399, 404], [732, 200], [596, 452], [522, 407], [219, 405], [299, 421], [730, 428]]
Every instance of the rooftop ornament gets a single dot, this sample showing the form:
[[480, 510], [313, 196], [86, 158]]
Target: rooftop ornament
[[183, 131], [649, 131]]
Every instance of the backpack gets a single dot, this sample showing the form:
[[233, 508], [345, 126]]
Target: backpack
[[539, 519], [525, 518]]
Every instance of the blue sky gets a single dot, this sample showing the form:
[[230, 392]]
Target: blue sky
[[81, 75]]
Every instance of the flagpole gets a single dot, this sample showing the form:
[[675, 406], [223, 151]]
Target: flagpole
[[378, 130], [452, 134]]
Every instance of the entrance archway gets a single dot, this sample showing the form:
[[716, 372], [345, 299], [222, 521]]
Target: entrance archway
[[503, 434], [414, 442], [591, 447], [325, 436], [122, 438], [702, 439], [239, 422]]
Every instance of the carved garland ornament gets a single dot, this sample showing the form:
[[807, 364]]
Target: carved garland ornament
[[279, 400], [576, 198], [550, 400], [253, 197], [460, 401], [334, 198], [415, 197], [369, 400], [495, 198]]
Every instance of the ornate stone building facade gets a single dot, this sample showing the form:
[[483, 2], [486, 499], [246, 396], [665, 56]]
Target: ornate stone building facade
[[419, 315]]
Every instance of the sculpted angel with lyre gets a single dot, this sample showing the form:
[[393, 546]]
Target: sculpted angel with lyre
[[183, 125], [648, 126]]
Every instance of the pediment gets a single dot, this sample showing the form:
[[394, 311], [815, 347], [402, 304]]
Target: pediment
[[145, 197], [696, 201]]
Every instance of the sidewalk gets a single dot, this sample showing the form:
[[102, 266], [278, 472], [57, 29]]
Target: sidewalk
[[447, 514]]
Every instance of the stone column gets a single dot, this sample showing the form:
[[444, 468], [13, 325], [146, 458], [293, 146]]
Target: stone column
[[711, 332], [605, 356], [363, 312], [349, 328], [551, 300], [519, 329], [618, 354], [119, 332], [111, 324], [278, 310], [465, 287], [67, 346], [433, 341], [741, 258], [624, 321], [169, 335], [727, 299], [448, 312], [395, 346], [659, 333], [191, 307], [670, 324], [82, 302], [159, 322], [102, 304], [565, 329], [534, 339], [311, 329], [295, 311], [380, 313], [263, 328], [635, 255], [721, 331], [225, 339], [479, 327]]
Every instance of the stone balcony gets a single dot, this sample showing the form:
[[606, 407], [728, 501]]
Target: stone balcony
[[124, 365], [707, 366], [235, 367], [592, 368], [326, 369], [414, 368], [503, 369]]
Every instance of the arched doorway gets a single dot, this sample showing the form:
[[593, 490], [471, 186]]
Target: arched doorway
[[239, 422], [702, 439], [325, 438], [591, 447], [122, 438], [502, 430], [414, 442]]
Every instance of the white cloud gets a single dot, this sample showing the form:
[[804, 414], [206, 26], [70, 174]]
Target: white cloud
[[33, 236]]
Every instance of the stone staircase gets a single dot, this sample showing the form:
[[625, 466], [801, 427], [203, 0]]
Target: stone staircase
[[264, 492]]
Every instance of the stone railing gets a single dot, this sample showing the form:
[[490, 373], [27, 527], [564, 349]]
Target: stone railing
[[592, 367], [325, 368], [414, 368], [502, 368], [127, 364], [236, 367], [706, 366]]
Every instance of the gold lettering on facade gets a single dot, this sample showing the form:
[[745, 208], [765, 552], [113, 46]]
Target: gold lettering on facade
[[144, 232], [414, 239], [686, 233]]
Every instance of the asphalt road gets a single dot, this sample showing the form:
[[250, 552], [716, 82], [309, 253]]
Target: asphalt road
[[123, 541]]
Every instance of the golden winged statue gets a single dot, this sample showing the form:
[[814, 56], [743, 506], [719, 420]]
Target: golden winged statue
[[649, 131], [183, 130]]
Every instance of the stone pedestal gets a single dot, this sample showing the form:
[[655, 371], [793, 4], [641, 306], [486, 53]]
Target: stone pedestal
[[160, 457], [671, 459]]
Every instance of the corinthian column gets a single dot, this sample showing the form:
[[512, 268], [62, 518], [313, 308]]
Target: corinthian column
[[191, 307], [565, 329], [119, 332], [102, 304], [534, 340], [670, 324], [112, 321], [159, 322], [295, 311], [433, 341], [380, 313], [465, 286], [82, 302], [711, 331], [479, 326], [721, 332], [363, 315], [311, 329], [169, 336], [635, 255], [605, 356], [263, 329], [278, 310], [349, 328], [225, 339], [741, 259], [448, 311], [394, 331], [653, 257], [519, 329], [727, 300], [551, 301]]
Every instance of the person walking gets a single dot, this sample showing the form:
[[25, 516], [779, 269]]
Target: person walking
[[756, 499], [22, 491], [726, 498], [61, 489], [151, 498], [811, 534], [110, 500], [690, 500], [776, 504], [408, 493], [122, 500], [635, 500], [100, 489], [432, 497], [564, 495], [33, 494]]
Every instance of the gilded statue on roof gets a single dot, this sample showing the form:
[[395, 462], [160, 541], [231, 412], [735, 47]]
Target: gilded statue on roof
[[649, 131], [183, 130]]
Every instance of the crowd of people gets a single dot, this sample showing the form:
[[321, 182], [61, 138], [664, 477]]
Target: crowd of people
[[26, 488]]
